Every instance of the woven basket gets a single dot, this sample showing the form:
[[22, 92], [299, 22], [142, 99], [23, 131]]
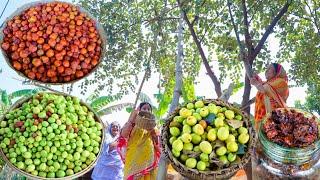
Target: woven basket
[[100, 30], [76, 175], [145, 121], [224, 173]]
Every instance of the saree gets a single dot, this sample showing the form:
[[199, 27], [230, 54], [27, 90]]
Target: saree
[[275, 96], [109, 165], [142, 156]]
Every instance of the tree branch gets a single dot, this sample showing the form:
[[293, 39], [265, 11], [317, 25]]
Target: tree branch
[[248, 38], [242, 50], [178, 86], [194, 20], [227, 93], [204, 58], [158, 18], [268, 31], [38, 85], [255, 12], [213, 21], [314, 16], [248, 61], [251, 101], [5, 7], [308, 19], [196, 17], [204, 1]]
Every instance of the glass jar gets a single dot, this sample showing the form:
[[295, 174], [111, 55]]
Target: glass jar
[[272, 161]]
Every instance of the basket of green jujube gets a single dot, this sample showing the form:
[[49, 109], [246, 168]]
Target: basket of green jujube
[[51, 136], [207, 139]]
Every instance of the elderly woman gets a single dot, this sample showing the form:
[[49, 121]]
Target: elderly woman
[[272, 93], [142, 150], [110, 165]]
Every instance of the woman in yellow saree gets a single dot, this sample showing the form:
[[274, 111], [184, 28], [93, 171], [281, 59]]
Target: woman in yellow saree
[[142, 148], [271, 94]]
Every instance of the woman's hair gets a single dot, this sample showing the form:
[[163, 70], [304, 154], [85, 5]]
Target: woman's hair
[[279, 70], [115, 123], [276, 67], [145, 103]]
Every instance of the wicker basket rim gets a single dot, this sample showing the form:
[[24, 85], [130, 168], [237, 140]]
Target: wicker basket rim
[[195, 174], [100, 30], [18, 103]]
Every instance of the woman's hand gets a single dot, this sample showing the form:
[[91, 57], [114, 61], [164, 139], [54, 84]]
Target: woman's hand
[[154, 136], [113, 145], [255, 80], [133, 116]]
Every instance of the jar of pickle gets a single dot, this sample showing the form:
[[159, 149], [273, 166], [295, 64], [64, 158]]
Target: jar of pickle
[[272, 161]]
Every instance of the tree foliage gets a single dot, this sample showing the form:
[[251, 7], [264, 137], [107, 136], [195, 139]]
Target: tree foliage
[[138, 32], [312, 103], [145, 31], [299, 36]]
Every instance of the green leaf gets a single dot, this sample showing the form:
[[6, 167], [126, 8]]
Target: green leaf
[[210, 118], [114, 108], [162, 122], [217, 143], [102, 101], [237, 87], [5, 98], [235, 123], [200, 97], [129, 109], [188, 92], [241, 149], [24, 92]]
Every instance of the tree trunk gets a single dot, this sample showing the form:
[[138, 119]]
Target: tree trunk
[[246, 94], [163, 164]]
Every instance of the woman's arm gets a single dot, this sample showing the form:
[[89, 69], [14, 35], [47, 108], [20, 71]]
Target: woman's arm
[[125, 131], [113, 145], [257, 82], [155, 136], [155, 139], [260, 87]]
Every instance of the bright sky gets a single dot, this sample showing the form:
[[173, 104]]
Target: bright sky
[[203, 88]]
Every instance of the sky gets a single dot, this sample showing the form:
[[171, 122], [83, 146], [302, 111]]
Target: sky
[[204, 88]]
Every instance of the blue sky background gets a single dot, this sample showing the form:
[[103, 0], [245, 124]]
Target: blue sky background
[[203, 88]]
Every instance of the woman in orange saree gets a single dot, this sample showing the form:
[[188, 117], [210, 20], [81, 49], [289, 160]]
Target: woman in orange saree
[[142, 149], [272, 93]]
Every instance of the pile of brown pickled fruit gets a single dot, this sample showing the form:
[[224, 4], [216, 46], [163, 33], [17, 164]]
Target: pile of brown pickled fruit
[[52, 42], [290, 128]]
